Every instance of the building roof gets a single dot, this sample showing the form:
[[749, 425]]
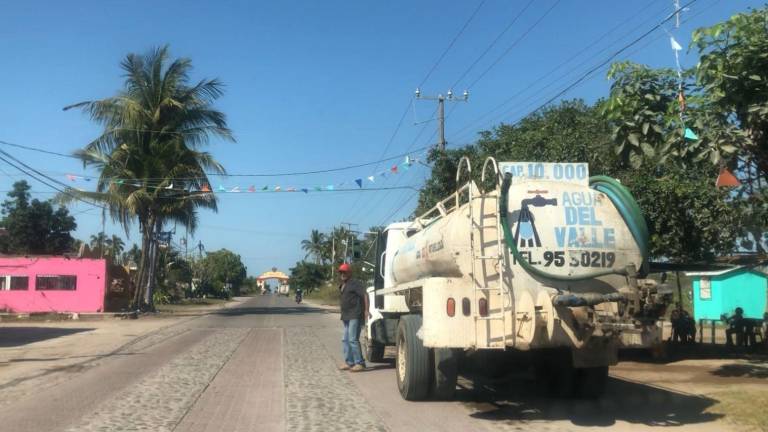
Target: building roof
[[760, 270]]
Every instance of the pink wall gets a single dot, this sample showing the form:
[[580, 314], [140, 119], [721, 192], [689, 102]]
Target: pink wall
[[87, 297]]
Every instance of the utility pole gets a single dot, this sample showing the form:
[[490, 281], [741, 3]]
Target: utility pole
[[441, 111], [333, 254], [350, 231]]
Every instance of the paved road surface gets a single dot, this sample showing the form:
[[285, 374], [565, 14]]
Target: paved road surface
[[270, 365]]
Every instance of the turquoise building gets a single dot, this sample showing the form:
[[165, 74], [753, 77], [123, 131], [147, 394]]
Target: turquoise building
[[721, 292]]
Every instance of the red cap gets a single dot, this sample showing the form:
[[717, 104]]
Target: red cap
[[344, 268]]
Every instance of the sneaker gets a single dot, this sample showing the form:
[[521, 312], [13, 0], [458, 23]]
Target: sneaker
[[344, 367], [357, 368]]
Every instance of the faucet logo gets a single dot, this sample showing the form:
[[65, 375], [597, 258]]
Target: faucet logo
[[526, 234]]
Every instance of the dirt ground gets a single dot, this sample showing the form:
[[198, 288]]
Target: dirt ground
[[735, 388]]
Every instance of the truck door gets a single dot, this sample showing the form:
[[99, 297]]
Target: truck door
[[378, 277]]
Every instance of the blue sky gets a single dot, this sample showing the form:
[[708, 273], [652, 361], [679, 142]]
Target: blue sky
[[312, 85]]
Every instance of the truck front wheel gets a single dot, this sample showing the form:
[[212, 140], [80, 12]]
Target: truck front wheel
[[413, 365]]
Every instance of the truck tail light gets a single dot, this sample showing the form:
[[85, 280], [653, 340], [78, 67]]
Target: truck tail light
[[482, 307], [450, 307]]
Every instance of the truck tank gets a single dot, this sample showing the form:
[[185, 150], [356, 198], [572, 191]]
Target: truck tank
[[557, 252]]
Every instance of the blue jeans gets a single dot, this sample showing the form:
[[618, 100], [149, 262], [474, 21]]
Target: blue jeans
[[351, 343]]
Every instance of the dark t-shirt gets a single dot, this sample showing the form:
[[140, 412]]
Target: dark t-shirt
[[352, 300]]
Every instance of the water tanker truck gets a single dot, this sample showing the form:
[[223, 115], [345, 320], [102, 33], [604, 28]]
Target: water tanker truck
[[544, 268]]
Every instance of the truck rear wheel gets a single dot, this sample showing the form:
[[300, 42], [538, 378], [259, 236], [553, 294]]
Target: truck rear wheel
[[445, 364], [413, 368], [372, 350]]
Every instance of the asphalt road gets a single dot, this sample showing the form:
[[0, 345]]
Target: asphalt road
[[270, 365]]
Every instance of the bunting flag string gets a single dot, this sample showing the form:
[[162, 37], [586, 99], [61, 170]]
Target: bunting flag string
[[206, 188], [688, 133]]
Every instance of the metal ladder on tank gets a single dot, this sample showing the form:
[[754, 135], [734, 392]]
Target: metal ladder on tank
[[497, 260]]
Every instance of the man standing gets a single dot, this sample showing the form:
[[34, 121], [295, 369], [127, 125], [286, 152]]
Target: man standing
[[354, 314]]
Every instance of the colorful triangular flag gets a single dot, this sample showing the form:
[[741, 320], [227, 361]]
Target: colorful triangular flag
[[372, 179], [252, 188], [70, 177], [235, 189], [726, 179], [265, 188], [304, 190], [394, 169], [222, 188], [205, 188], [689, 134], [329, 187], [359, 182], [675, 46], [318, 188], [277, 188]]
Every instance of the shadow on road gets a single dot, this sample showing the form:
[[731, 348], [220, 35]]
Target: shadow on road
[[271, 310], [754, 369], [515, 400], [18, 336]]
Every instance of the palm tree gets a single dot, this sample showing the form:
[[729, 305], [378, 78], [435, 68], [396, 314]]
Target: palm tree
[[151, 167], [99, 243], [314, 245], [116, 246]]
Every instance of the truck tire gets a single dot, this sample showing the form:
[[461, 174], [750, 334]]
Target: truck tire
[[591, 382], [412, 365], [372, 351], [445, 363]]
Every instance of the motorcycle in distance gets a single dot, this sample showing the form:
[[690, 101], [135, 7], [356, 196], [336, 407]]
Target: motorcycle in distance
[[298, 296]]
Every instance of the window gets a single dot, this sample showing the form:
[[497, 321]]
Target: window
[[705, 289], [14, 283], [56, 282]]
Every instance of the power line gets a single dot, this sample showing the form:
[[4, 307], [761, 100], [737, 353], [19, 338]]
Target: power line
[[450, 45], [493, 43], [65, 192], [38, 150], [561, 65], [424, 80], [612, 56], [514, 44], [284, 174]]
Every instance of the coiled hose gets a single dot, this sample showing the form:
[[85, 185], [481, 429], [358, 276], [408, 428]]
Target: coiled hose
[[620, 197]]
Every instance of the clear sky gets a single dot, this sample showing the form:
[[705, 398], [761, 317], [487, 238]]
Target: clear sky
[[313, 85]]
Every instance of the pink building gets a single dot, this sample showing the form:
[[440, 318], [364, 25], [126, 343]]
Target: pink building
[[52, 284]]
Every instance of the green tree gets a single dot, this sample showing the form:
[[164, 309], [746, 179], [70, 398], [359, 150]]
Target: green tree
[[35, 227], [151, 167], [221, 272], [132, 255], [308, 276], [115, 245], [724, 100]]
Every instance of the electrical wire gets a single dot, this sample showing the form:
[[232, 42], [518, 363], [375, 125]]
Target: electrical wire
[[514, 44], [450, 45], [492, 44]]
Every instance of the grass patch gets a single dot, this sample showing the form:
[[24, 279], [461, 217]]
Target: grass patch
[[745, 408], [327, 294]]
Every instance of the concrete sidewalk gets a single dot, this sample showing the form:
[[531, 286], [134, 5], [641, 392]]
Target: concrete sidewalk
[[36, 355]]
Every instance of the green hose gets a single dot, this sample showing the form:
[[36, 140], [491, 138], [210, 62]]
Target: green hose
[[619, 196]]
